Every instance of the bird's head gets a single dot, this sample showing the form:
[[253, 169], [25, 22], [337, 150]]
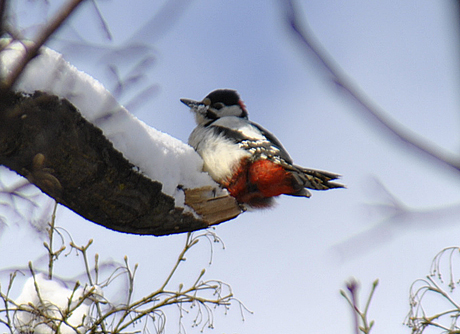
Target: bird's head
[[217, 104]]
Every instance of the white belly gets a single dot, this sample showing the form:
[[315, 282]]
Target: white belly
[[220, 155]]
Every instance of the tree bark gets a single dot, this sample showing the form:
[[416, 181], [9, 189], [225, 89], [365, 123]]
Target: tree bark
[[45, 139]]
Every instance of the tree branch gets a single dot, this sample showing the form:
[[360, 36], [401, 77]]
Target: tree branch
[[41, 39], [46, 140], [312, 46]]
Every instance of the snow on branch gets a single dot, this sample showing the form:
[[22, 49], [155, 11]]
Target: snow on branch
[[64, 132]]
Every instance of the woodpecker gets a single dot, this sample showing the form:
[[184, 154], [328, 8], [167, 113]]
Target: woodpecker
[[245, 158]]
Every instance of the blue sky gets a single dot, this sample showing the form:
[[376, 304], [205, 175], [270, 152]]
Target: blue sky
[[283, 263]]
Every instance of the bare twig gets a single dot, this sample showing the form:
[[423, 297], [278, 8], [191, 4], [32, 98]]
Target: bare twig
[[83, 250], [378, 115], [5, 297], [52, 256], [352, 287], [201, 295], [424, 291], [54, 24], [361, 322], [104, 26]]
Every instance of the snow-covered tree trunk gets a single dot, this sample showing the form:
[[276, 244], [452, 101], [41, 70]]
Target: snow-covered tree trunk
[[65, 133]]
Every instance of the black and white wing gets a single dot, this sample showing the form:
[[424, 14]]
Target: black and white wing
[[252, 137]]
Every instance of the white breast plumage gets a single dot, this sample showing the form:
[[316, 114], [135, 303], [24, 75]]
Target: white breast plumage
[[220, 155]]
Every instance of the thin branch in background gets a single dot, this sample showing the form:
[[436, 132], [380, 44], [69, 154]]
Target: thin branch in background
[[393, 217], [5, 298], [52, 255], [21, 199], [83, 250], [313, 47], [161, 22], [142, 97], [361, 322], [54, 24], [104, 26], [352, 288], [135, 75]]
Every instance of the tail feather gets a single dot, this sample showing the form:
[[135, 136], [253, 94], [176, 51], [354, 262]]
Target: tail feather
[[313, 179]]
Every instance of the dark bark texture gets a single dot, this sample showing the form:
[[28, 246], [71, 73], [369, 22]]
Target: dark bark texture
[[45, 139]]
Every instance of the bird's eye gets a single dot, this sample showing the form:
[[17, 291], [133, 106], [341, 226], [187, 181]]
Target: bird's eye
[[207, 101], [218, 105]]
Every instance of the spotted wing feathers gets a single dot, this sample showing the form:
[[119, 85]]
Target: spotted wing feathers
[[264, 145], [313, 179]]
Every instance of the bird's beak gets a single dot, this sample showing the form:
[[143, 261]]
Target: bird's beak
[[191, 103]]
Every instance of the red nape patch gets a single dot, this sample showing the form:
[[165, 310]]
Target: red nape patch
[[270, 178], [242, 105]]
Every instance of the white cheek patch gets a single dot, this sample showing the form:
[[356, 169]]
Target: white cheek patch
[[230, 111]]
